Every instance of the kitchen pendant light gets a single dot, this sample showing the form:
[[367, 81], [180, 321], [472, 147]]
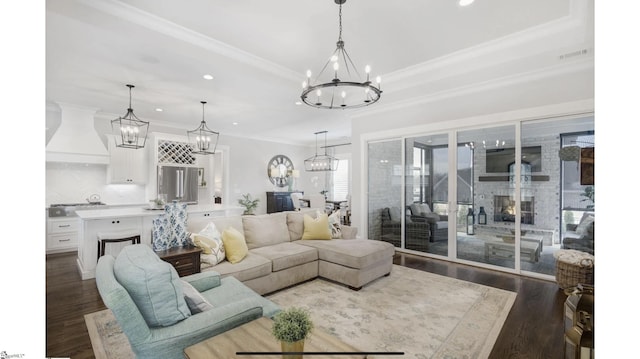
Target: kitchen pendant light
[[203, 139], [346, 89], [320, 163], [129, 130]]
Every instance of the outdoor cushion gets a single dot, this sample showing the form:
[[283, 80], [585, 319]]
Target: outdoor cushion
[[153, 284], [394, 213], [287, 255], [264, 230]]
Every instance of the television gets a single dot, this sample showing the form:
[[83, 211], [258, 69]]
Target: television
[[499, 159]]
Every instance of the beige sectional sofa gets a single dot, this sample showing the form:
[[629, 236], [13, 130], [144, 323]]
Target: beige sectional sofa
[[278, 256]]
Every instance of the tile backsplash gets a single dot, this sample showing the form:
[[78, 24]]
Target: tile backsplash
[[74, 183]]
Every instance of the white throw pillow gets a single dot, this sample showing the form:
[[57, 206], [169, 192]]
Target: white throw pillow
[[334, 225], [214, 244]]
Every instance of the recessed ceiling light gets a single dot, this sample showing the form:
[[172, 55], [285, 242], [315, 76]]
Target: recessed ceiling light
[[465, 2], [298, 103], [235, 124], [208, 77], [159, 109]]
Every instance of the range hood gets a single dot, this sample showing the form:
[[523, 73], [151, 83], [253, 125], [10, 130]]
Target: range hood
[[76, 140]]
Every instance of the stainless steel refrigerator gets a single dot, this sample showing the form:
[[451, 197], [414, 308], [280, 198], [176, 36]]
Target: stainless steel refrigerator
[[178, 183]]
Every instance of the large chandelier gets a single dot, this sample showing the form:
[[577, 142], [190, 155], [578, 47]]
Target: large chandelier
[[203, 139], [319, 163], [344, 88], [130, 131]]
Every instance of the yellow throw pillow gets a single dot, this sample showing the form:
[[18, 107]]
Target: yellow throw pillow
[[316, 228], [234, 244]]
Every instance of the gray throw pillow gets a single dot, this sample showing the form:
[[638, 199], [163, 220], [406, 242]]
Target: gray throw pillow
[[196, 302]]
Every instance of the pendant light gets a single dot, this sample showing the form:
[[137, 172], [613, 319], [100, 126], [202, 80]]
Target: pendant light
[[320, 163], [203, 139], [129, 130], [343, 88]]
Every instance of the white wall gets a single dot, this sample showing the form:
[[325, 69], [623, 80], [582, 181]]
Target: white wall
[[248, 158]]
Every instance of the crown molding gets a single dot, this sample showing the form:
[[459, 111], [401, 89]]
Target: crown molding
[[152, 22], [580, 65], [495, 51]]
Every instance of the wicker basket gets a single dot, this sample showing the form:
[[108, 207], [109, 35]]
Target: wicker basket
[[573, 267]]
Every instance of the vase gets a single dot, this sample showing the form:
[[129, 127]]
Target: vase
[[297, 347]]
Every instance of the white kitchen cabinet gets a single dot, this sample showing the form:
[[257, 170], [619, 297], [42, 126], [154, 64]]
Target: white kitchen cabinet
[[62, 235], [127, 165], [199, 220]]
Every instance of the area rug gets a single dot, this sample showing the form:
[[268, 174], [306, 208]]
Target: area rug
[[421, 314]]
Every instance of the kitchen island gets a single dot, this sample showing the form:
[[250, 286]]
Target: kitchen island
[[138, 219]]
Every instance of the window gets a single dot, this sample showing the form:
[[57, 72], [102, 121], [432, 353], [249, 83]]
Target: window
[[340, 182]]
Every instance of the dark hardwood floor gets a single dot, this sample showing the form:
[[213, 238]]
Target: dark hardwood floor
[[533, 329]]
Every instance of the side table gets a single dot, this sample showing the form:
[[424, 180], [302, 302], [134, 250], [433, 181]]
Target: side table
[[186, 260]]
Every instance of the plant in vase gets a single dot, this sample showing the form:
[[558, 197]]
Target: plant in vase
[[291, 327], [157, 203], [248, 203]]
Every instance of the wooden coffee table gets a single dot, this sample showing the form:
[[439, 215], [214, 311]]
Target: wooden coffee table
[[530, 248], [256, 336]]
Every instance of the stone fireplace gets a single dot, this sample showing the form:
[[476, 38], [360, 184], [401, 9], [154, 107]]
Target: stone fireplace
[[504, 209]]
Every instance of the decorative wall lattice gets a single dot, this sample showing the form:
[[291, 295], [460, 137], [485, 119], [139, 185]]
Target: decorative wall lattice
[[175, 153]]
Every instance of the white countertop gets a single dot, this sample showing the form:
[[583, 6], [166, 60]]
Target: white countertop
[[143, 211]]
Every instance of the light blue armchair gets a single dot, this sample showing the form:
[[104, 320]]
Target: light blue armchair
[[233, 305]]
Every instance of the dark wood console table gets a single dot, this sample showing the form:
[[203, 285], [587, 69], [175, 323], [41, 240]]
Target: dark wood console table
[[186, 260], [280, 201]]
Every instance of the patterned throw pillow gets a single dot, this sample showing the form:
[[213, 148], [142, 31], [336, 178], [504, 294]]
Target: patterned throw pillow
[[334, 225], [210, 240]]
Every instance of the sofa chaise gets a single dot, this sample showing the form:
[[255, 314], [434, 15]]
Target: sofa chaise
[[278, 257]]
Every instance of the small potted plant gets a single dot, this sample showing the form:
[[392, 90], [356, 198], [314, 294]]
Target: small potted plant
[[248, 203], [291, 327], [157, 203]]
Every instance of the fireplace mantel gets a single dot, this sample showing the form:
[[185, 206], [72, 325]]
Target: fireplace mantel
[[505, 178]]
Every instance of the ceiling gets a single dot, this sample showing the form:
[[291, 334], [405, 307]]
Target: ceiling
[[258, 52]]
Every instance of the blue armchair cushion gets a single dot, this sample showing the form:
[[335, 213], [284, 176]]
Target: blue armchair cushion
[[153, 284]]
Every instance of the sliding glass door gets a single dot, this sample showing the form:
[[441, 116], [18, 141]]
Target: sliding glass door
[[384, 191], [522, 191], [426, 194], [486, 203]]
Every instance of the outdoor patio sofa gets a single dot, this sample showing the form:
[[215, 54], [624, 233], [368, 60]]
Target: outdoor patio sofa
[[581, 236], [418, 232]]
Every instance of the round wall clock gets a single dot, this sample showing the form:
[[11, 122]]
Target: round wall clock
[[279, 170]]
